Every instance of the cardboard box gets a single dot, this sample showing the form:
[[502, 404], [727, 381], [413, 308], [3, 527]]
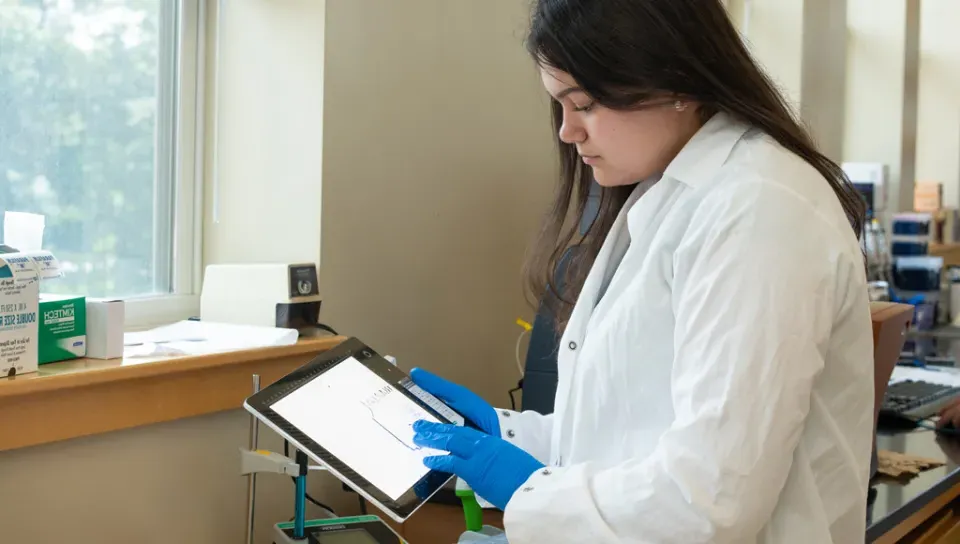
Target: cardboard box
[[927, 196], [105, 328], [62, 328], [19, 294]]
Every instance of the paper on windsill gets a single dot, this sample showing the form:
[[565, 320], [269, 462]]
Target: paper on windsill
[[201, 337], [23, 231]]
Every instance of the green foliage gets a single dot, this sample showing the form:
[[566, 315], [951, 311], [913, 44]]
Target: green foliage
[[78, 124]]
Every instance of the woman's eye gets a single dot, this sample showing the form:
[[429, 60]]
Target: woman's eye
[[586, 107]]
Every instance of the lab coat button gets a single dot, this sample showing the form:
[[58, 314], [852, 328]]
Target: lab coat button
[[510, 433], [572, 345], [527, 489], [546, 472], [505, 413]]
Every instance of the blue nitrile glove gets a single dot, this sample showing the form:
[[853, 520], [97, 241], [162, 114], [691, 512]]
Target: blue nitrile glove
[[493, 467], [462, 400]]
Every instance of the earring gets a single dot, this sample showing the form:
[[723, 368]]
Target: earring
[[679, 105]]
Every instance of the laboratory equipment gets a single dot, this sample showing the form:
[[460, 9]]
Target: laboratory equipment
[[333, 530], [268, 295], [349, 530], [917, 274], [911, 234], [877, 251], [870, 179]]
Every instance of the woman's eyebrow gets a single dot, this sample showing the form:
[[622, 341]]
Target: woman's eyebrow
[[566, 92]]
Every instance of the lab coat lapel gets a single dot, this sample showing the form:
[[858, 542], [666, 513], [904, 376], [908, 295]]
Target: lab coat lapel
[[606, 260], [573, 337], [640, 217], [590, 293]]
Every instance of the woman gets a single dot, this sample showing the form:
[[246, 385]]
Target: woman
[[715, 374]]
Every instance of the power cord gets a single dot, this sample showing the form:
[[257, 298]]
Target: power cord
[[327, 328], [286, 453], [526, 329], [513, 401]]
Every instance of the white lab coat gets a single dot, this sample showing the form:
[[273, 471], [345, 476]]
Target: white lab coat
[[721, 389]]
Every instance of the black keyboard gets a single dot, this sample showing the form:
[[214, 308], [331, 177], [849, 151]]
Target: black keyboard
[[916, 400]]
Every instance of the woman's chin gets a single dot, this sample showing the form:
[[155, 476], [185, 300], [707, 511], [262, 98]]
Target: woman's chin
[[605, 178]]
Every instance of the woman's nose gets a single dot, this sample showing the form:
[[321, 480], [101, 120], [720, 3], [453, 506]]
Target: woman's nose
[[570, 132]]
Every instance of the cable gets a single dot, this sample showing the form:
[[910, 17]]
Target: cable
[[286, 453], [513, 401], [318, 503], [519, 341], [526, 328], [327, 328], [363, 505]]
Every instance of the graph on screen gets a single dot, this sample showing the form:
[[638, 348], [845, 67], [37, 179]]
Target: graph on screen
[[364, 421], [395, 414]]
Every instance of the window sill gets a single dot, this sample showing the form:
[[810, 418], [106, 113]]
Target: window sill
[[90, 396], [147, 312]]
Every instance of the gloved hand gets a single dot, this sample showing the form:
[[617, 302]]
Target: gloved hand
[[462, 400], [493, 467]]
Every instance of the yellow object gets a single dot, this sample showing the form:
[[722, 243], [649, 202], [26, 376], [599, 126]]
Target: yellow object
[[263, 452], [526, 326]]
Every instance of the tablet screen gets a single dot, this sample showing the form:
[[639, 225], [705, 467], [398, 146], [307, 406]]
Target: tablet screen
[[364, 421]]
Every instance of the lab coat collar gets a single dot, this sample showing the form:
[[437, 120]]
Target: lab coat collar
[[706, 152]]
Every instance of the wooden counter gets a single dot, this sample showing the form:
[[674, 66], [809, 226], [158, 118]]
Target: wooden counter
[[89, 396], [949, 252], [923, 508]]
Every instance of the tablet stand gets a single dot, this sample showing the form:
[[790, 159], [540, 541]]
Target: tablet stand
[[252, 476], [300, 499], [253, 461]]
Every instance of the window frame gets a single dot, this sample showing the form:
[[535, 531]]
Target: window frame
[[180, 141]]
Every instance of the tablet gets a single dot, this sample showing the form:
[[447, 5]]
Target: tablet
[[352, 411]]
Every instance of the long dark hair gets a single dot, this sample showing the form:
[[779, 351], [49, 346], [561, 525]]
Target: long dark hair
[[623, 52]]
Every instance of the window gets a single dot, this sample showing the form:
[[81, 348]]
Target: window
[[99, 109]]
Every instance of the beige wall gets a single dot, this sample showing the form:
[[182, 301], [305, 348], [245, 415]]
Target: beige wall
[[882, 64], [437, 162], [938, 136], [773, 30], [263, 165], [823, 77], [800, 45], [172, 482]]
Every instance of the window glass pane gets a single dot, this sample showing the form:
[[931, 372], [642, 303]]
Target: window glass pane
[[79, 132]]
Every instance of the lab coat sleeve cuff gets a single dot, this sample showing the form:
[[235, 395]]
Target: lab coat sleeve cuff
[[553, 505], [529, 431]]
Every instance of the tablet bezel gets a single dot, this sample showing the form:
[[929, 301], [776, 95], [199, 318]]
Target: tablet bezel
[[260, 404]]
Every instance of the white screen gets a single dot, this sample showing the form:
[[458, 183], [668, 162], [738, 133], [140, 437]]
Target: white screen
[[364, 421]]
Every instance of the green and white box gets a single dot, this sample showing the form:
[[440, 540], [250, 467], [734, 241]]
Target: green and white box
[[63, 328], [19, 294]]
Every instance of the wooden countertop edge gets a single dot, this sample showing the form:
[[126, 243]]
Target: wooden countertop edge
[[41, 409], [80, 378], [915, 519]]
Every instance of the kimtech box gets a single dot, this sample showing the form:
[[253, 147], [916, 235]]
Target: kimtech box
[[62, 328]]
